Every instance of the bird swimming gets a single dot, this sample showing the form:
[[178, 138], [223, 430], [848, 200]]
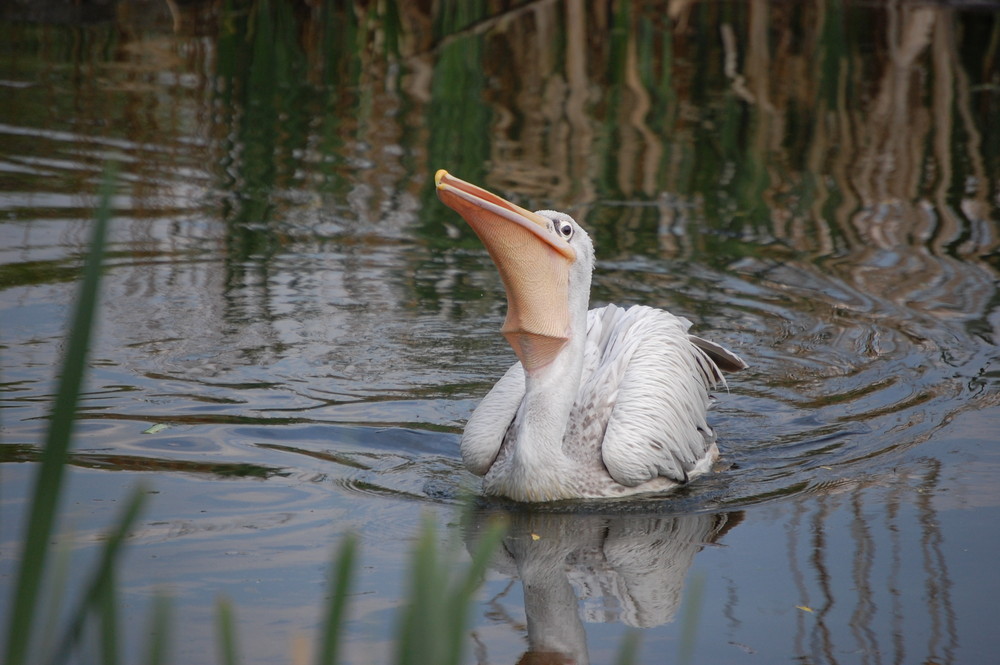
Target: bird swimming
[[604, 402]]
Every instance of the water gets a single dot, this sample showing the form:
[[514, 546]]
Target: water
[[294, 330]]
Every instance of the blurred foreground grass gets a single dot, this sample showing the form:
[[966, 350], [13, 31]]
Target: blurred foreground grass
[[432, 624]]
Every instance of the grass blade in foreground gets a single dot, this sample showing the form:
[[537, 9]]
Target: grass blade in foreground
[[227, 634], [159, 629], [340, 580], [433, 623], [100, 594], [48, 483]]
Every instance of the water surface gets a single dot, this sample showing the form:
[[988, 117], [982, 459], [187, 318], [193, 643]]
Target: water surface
[[293, 330]]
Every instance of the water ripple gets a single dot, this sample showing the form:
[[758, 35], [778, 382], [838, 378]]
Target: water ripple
[[853, 359]]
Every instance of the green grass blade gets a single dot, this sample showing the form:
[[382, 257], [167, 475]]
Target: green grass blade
[[107, 609], [340, 579], [628, 649], [433, 624], [101, 586], [58, 575], [415, 642], [690, 618], [462, 599], [159, 631], [49, 480], [227, 634]]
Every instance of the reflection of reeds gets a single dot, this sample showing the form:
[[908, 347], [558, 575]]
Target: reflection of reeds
[[857, 139], [841, 586], [870, 140], [846, 132]]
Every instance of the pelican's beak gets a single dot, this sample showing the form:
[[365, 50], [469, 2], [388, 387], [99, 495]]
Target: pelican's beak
[[533, 262]]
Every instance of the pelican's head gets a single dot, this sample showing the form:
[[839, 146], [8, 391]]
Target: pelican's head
[[545, 260]]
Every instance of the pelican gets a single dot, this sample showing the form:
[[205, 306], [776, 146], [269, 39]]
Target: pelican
[[603, 403]]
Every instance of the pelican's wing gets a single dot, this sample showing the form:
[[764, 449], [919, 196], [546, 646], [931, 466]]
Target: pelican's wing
[[723, 358], [657, 425], [487, 427]]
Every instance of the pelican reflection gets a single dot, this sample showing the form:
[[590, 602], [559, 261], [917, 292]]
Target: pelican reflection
[[596, 568]]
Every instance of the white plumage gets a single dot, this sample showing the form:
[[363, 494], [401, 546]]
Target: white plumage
[[607, 402], [637, 422]]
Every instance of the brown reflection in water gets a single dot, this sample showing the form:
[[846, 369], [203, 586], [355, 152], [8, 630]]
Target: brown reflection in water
[[942, 643], [863, 142], [905, 226], [865, 610], [864, 574], [822, 638], [832, 159], [792, 527], [108, 462], [565, 69]]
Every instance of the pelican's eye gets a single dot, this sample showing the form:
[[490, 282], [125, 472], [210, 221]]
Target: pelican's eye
[[564, 228]]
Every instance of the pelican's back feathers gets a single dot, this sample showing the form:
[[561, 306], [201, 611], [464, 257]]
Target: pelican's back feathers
[[651, 381]]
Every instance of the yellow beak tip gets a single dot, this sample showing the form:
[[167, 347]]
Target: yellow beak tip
[[439, 176]]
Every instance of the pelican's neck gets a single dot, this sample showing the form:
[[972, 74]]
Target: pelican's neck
[[550, 604], [549, 394], [551, 391]]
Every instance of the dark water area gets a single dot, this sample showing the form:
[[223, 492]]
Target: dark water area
[[293, 330]]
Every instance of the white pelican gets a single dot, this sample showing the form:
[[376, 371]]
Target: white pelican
[[603, 403]]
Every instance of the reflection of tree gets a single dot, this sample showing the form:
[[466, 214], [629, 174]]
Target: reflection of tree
[[623, 568], [823, 113], [943, 637], [873, 587], [860, 136]]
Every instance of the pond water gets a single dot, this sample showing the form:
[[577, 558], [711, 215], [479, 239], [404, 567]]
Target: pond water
[[293, 329]]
